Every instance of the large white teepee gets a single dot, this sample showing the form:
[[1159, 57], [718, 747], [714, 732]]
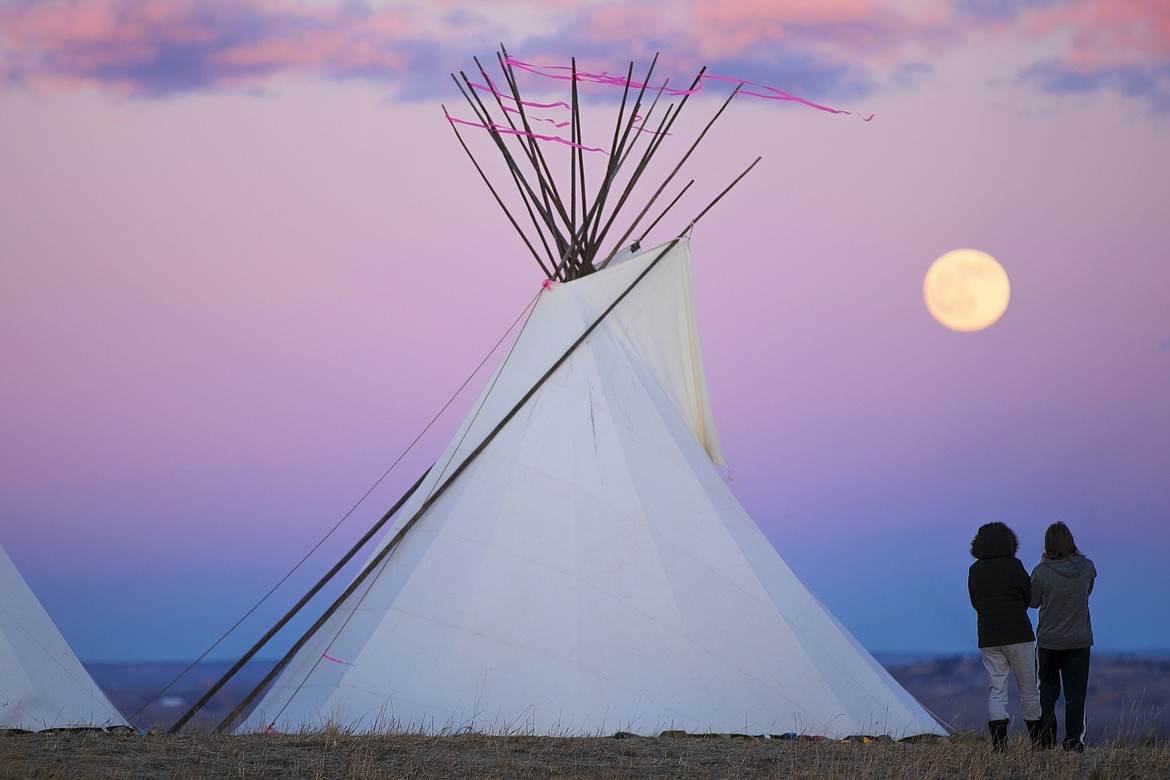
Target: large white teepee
[[590, 571], [42, 684]]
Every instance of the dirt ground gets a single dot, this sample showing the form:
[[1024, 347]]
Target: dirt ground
[[136, 756]]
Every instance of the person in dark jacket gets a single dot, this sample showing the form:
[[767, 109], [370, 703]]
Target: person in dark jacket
[[1061, 584], [1001, 593]]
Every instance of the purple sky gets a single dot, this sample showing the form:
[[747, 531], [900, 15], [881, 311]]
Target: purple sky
[[245, 262]]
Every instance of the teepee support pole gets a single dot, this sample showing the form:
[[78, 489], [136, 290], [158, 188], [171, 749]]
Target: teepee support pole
[[533, 149], [390, 547], [500, 201], [296, 608], [668, 121], [641, 126], [668, 118], [576, 155], [551, 197], [584, 256], [620, 149], [585, 238], [546, 223], [669, 206], [726, 190], [674, 172]]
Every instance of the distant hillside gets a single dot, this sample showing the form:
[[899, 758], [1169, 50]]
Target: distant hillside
[[1128, 701], [131, 686], [1129, 698]]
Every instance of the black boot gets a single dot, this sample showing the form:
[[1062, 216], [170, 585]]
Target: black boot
[[998, 729], [1034, 732]]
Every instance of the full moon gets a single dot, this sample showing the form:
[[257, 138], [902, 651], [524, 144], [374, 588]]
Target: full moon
[[966, 290]]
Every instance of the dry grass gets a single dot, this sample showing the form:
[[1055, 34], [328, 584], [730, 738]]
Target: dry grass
[[132, 756]]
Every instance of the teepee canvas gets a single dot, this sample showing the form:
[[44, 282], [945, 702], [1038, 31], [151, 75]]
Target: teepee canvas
[[590, 571], [42, 684]]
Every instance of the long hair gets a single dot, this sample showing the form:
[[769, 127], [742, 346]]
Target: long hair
[[994, 540], [1058, 541]]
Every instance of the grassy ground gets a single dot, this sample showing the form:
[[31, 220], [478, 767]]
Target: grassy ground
[[132, 756]]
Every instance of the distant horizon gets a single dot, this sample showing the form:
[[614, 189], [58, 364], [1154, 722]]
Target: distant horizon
[[882, 656]]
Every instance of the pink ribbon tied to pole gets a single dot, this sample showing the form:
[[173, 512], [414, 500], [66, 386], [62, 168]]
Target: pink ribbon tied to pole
[[565, 73]]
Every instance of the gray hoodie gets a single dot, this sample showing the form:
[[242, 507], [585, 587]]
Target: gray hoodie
[[1061, 588]]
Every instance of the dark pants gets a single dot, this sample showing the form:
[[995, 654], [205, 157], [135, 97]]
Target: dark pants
[[1068, 669]]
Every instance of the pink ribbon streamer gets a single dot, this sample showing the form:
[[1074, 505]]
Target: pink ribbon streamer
[[777, 94], [604, 78], [328, 657], [581, 75], [494, 90], [768, 93], [512, 131]]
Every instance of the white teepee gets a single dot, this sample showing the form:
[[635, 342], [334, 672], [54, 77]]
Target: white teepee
[[42, 684], [589, 571]]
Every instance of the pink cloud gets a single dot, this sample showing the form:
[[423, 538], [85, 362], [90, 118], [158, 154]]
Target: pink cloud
[[730, 29], [802, 11], [1108, 33], [163, 47], [849, 31], [1120, 46]]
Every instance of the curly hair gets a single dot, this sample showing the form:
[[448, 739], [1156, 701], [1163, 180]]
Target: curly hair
[[994, 540]]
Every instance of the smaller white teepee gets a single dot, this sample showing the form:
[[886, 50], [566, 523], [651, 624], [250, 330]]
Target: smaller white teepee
[[42, 684]]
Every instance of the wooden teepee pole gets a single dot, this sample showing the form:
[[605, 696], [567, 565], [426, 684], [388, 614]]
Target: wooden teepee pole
[[547, 271], [552, 202], [668, 179], [546, 224]]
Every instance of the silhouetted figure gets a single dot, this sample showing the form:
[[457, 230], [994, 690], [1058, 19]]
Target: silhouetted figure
[[1061, 584], [1000, 593]]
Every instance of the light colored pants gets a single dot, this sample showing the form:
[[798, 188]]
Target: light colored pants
[[1020, 659]]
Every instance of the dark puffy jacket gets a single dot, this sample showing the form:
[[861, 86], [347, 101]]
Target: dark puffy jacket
[[1001, 591]]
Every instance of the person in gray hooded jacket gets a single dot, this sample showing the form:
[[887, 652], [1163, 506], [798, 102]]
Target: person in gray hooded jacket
[[1061, 584]]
